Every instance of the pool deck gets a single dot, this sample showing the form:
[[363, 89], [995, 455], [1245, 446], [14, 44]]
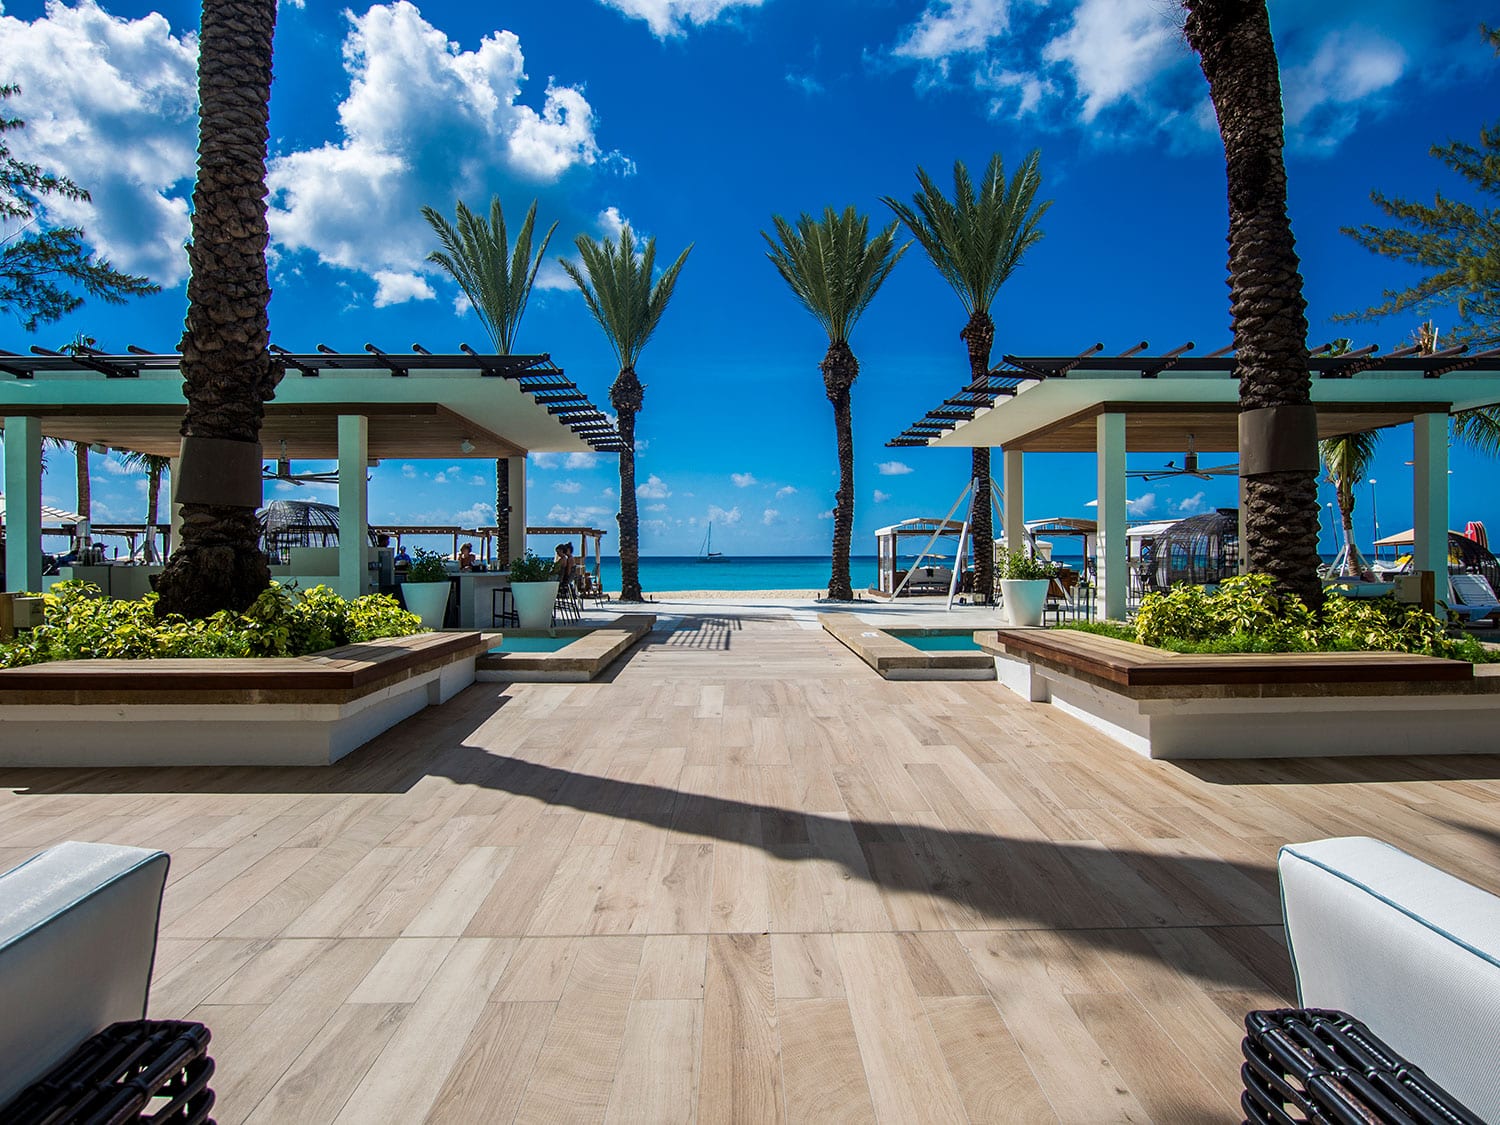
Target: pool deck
[[739, 878]]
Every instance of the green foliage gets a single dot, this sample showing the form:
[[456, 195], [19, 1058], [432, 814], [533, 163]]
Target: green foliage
[[496, 279], [976, 242], [833, 265], [427, 566], [81, 624], [619, 286], [41, 270], [1116, 629], [1020, 566], [530, 568]]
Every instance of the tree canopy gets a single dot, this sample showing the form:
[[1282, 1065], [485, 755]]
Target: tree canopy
[[833, 265], [42, 269], [620, 288]]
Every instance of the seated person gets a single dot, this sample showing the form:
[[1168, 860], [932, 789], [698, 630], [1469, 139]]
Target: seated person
[[403, 558], [466, 557]]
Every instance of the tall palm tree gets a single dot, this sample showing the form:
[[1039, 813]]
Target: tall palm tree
[[619, 286], [155, 466], [835, 269], [1278, 424], [1347, 459], [227, 370], [497, 280], [80, 451], [976, 243]]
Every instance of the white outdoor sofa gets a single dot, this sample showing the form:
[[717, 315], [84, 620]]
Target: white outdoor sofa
[[78, 926], [1407, 949]]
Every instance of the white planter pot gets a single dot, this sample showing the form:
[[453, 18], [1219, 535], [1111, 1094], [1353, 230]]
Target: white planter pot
[[428, 600], [534, 601], [1025, 599]]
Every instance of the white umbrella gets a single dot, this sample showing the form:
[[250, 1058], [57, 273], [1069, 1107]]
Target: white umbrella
[[51, 517]]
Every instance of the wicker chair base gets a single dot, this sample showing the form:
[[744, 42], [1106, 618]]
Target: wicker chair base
[[150, 1071], [1305, 1065]]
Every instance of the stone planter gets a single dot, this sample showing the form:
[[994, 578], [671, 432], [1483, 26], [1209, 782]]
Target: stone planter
[[428, 600], [1025, 599], [534, 601]]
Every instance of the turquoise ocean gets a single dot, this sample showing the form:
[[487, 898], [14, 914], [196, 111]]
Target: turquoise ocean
[[750, 572]]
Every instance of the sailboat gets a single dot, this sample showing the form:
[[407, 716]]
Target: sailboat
[[706, 553]]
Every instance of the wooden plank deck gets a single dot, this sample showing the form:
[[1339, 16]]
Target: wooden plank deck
[[742, 879]]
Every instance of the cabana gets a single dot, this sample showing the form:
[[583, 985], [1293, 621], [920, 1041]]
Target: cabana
[[888, 542], [1164, 403], [358, 408]]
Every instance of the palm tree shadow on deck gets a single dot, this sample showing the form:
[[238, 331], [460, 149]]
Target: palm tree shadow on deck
[[1211, 918]]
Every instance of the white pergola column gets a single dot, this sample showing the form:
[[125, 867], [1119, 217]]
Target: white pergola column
[[1015, 500], [1430, 498], [1113, 559], [354, 504], [23, 504], [517, 505], [174, 511]]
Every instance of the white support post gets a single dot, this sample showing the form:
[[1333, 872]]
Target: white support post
[[354, 504], [174, 512], [1015, 501], [23, 505], [517, 464], [1430, 498], [1113, 577]]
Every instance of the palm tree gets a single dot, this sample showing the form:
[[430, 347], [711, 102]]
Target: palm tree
[[835, 268], [976, 244], [617, 285], [80, 451], [155, 466], [1279, 459], [497, 280], [227, 370], [1347, 459]]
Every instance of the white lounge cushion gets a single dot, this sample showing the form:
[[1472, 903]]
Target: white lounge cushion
[[1408, 949], [77, 941]]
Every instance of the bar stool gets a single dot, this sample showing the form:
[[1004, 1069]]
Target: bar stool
[[503, 607]]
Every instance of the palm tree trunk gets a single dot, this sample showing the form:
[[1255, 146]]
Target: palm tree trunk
[[153, 501], [979, 335], [226, 367], [1233, 41], [502, 512], [627, 396], [85, 486], [840, 369]]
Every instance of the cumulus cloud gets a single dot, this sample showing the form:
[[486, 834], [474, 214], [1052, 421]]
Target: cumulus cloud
[[953, 27], [111, 103], [656, 507], [828, 515], [609, 493], [893, 469], [568, 486], [653, 489], [719, 515], [881, 497], [743, 480], [584, 514], [786, 490], [409, 472], [673, 17], [1191, 505], [476, 515], [580, 460], [544, 460], [770, 516], [1142, 505], [424, 122], [807, 83]]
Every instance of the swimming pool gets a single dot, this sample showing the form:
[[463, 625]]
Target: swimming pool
[[534, 644], [929, 640]]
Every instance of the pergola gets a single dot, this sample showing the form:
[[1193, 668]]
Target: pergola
[[1140, 402], [358, 408]]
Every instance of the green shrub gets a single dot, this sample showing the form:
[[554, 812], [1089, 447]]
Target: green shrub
[[81, 624], [530, 568], [427, 566], [1020, 566]]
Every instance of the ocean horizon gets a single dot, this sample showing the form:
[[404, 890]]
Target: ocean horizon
[[749, 572]]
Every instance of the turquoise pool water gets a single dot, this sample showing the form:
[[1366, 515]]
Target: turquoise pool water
[[532, 644], [939, 642]]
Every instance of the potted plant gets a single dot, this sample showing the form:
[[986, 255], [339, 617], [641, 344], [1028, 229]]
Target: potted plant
[[426, 588], [1024, 580], [534, 586]]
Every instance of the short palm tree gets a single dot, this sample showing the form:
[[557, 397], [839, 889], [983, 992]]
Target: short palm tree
[[835, 269], [227, 370], [619, 286], [155, 467], [80, 451], [1347, 459], [976, 243], [497, 279]]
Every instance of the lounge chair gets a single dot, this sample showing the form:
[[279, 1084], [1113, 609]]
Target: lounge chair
[[1472, 598]]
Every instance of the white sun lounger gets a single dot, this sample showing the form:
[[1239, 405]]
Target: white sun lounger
[[1472, 597]]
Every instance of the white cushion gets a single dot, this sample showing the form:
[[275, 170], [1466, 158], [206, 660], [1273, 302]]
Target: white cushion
[[77, 940], [1408, 949]]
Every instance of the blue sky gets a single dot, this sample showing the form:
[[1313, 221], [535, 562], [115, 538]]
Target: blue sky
[[695, 121]]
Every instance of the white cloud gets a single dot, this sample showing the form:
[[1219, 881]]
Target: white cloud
[[393, 288], [568, 486], [544, 460], [828, 515], [807, 83], [409, 472], [1115, 49], [656, 527], [580, 460], [893, 469], [608, 493], [786, 490], [881, 497], [656, 507], [1142, 505], [672, 17], [770, 516], [641, 445], [1322, 95], [116, 467], [951, 27], [743, 480], [654, 489], [110, 103], [719, 515], [1191, 505], [424, 122], [476, 515], [585, 514]]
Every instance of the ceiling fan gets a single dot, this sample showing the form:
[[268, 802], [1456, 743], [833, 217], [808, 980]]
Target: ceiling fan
[[1188, 468], [284, 472]]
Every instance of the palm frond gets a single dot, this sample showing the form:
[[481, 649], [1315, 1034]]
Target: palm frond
[[620, 287], [1348, 457], [977, 241], [1479, 429], [833, 265], [496, 278]]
